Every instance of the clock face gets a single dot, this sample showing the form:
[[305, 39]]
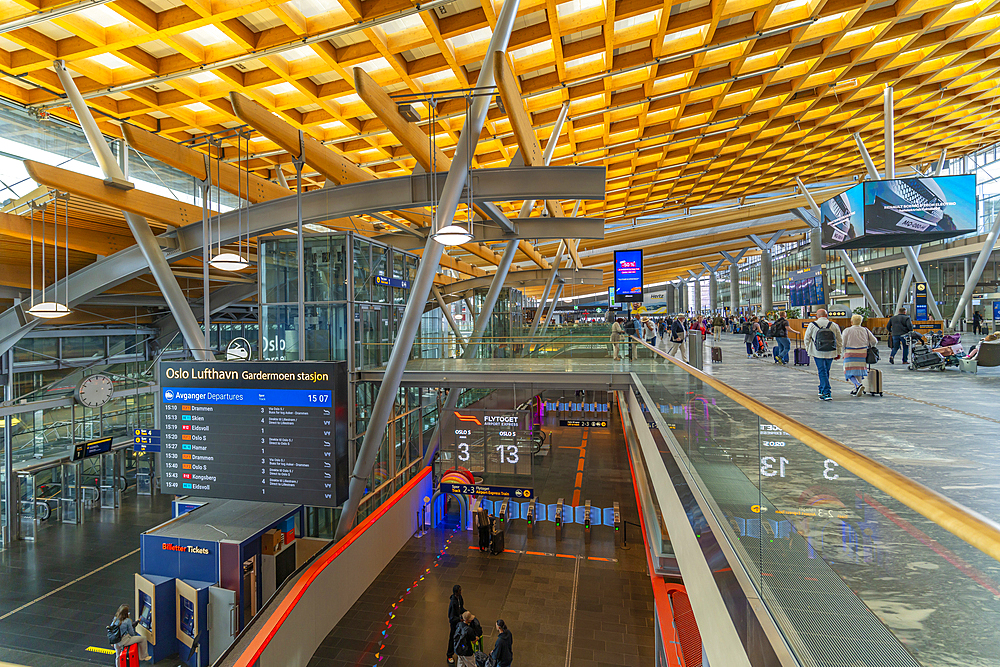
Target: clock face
[[95, 390]]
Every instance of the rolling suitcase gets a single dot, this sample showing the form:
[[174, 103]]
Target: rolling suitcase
[[129, 656], [873, 383], [716, 355], [799, 355], [497, 544]]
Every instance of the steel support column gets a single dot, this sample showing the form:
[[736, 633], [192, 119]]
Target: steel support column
[[766, 281], [446, 311], [536, 320], [846, 259], [904, 286], [713, 292], [552, 310], [144, 238], [734, 287], [482, 320], [448, 204], [966, 274], [977, 270], [671, 299], [9, 486]]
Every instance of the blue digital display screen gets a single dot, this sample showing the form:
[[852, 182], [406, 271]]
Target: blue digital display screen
[[628, 276], [234, 396]]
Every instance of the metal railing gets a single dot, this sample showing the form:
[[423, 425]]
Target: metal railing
[[849, 558]]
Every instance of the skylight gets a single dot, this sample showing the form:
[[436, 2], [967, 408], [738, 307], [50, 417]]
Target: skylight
[[109, 60]]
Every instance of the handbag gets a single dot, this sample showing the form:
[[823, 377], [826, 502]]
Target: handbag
[[871, 357]]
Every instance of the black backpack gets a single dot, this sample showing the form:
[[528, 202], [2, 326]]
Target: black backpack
[[825, 340], [114, 633], [630, 327]]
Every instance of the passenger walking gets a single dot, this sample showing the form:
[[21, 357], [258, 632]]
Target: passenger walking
[[750, 331], [677, 335], [617, 336], [779, 331], [717, 324], [857, 340], [977, 323], [900, 326], [456, 607], [630, 330], [129, 636], [485, 527], [503, 650], [466, 633], [649, 331], [824, 343]]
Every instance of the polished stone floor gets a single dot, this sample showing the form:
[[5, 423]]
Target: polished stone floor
[[59, 592], [565, 601], [939, 428]]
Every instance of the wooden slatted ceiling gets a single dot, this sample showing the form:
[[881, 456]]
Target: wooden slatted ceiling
[[685, 103]]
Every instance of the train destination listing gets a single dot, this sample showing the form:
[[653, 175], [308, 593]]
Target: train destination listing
[[261, 440]]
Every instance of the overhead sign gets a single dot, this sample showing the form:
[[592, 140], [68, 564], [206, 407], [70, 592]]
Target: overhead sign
[[898, 212], [611, 297], [584, 423], [805, 288], [272, 431], [83, 450], [392, 282], [491, 491], [628, 276], [920, 313], [143, 448], [239, 349], [489, 441]]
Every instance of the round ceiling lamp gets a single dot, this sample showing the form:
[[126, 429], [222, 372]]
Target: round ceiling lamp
[[452, 235]]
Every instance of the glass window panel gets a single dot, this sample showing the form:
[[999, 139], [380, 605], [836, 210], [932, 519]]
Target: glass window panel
[[362, 270], [280, 340], [280, 278]]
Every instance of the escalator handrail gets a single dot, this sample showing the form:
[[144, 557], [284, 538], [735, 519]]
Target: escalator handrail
[[963, 522]]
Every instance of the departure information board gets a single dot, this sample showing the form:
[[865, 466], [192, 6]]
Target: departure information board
[[489, 441], [272, 431]]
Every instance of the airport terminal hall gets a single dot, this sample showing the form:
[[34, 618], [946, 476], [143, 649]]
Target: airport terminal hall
[[500, 333]]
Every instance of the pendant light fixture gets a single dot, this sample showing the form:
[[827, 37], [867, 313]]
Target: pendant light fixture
[[453, 234], [49, 309], [234, 261]]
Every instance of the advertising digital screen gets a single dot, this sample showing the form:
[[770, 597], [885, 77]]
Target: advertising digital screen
[[931, 207], [902, 211], [843, 217], [271, 431], [628, 276]]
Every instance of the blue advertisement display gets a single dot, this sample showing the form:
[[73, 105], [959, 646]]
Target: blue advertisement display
[[996, 311], [628, 276], [843, 217]]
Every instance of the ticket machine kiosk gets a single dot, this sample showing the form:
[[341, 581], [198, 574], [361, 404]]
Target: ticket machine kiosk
[[154, 613], [192, 622]]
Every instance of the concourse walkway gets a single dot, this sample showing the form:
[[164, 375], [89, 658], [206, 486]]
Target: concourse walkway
[[938, 428], [60, 591], [565, 601]]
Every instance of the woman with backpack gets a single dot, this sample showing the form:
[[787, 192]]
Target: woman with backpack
[[121, 628]]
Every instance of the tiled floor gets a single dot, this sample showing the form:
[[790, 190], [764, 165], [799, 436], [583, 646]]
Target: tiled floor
[[541, 595], [55, 631]]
